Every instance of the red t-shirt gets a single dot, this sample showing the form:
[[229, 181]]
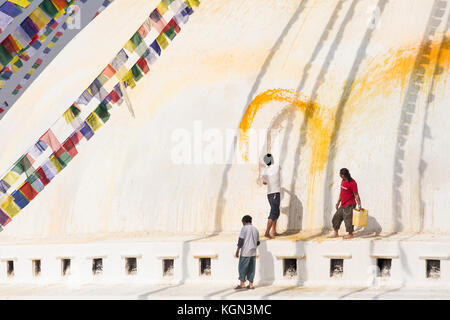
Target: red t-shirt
[[348, 190]]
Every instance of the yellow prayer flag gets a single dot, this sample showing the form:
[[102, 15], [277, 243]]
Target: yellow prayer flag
[[14, 68], [10, 207], [94, 122], [39, 18], [22, 3], [42, 37], [31, 71], [68, 116], [162, 41], [14, 59], [162, 8], [1, 84], [193, 3], [121, 73], [128, 78], [56, 163], [129, 46], [51, 45], [11, 178]]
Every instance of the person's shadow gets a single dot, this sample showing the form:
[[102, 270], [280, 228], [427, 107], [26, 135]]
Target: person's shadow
[[294, 212], [266, 265], [372, 229]]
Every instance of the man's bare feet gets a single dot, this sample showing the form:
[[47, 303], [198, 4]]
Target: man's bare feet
[[349, 236], [276, 234], [268, 236], [334, 235]]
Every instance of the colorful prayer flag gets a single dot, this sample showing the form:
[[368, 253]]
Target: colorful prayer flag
[[28, 191], [11, 178], [4, 218], [162, 41], [102, 112], [94, 121], [19, 199], [10, 207]]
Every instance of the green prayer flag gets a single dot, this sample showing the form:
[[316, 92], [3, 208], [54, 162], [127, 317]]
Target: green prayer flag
[[102, 79], [136, 39], [75, 110], [48, 7], [64, 159], [5, 56], [102, 112], [167, 2], [18, 168], [171, 33], [137, 72], [22, 165]]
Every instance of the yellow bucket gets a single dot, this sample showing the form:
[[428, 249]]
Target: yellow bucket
[[360, 217]]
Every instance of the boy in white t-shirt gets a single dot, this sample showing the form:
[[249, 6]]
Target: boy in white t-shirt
[[271, 177], [247, 244]]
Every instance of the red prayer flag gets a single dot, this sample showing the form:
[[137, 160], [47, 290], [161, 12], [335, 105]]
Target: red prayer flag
[[76, 137], [114, 96], [28, 191], [10, 45], [174, 24], [45, 181], [69, 145], [142, 63]]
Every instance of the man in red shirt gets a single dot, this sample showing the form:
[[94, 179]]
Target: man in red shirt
[[348, 199]]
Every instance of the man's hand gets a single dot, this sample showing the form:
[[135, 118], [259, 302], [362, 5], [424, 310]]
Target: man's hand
[[237, 253], [337, 206]]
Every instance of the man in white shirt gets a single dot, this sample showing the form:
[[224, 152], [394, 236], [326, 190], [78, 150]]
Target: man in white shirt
[[247, 244], [271, 178]]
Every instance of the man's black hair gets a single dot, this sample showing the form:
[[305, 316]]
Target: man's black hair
[[247, 219], [346, 174], [268, 159]]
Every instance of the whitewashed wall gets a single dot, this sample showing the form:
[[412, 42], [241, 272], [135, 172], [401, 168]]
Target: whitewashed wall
[[124, 180]]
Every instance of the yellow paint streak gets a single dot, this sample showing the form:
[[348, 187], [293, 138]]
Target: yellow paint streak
[[318, 134], [393, 70]]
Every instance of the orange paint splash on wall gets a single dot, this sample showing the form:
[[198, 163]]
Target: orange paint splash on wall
[[392, 71], [317, 132]]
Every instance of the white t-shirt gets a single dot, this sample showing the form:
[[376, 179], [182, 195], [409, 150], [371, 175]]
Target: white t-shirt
[[271, 175], [251, 237]]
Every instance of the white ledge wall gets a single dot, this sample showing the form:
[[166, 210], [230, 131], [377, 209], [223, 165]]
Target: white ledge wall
[[123, 180], [313, 269]]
